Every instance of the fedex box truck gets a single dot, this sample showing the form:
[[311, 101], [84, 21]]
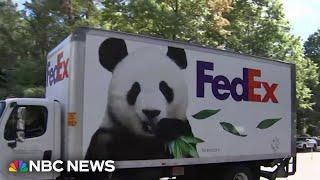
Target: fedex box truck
[[157, 108]]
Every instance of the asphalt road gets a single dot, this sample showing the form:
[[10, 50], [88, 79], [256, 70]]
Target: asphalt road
[[308, 167]]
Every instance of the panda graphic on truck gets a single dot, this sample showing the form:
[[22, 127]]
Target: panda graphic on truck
[[147, 103]]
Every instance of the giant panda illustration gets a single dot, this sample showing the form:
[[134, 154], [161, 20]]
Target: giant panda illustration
[[147, 102]]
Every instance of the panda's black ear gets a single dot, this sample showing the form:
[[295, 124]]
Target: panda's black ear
[[111, 52], [178, 55]]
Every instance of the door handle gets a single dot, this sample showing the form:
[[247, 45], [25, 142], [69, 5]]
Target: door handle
[[12, 144]]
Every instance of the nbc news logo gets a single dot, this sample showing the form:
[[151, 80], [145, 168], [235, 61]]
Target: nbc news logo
[[20, 166]]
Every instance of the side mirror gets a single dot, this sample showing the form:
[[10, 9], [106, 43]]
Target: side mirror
[[21, 113]]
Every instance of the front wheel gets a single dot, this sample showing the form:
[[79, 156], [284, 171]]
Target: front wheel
[[315, 148], [304, 148]]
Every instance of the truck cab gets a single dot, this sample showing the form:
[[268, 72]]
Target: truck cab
[[37, 138]]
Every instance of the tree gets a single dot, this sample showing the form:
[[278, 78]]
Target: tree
[[259, 27], [28, 35], [312, 51], [12, 46], [3, 80], [312, 47], [193, 21], [51, 21]]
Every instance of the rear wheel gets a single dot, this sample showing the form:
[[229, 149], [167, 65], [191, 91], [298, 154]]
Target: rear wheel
[[240, 172], [240, 176]]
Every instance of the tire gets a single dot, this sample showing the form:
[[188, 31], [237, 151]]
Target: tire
[[240, 172], [140, 174], [304, 148], [315, 148]]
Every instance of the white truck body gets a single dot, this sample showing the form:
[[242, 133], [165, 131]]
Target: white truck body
[[78, 85]]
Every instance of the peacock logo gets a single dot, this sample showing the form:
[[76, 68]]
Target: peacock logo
[[18, 166]]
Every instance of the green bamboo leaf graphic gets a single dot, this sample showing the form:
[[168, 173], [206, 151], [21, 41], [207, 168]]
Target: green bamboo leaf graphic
[[171, 146], [267, 123], [205, 113], [184, 146], [231, 129], [187, 149], [193, 151], [191, 139], [177, 153]]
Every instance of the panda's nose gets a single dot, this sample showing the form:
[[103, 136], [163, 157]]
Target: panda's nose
[[151, 113]]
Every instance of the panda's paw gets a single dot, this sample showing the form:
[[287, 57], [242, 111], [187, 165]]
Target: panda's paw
[[169, 129]]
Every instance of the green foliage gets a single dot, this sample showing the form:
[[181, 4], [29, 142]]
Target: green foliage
[[312, 47], [312, 51], [3, 80], [306, 74], [37, 92], [51, 21], [193, 21], [28, 35], [259, 27]]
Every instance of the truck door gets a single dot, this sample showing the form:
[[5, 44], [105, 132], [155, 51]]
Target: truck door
[[38, 138]]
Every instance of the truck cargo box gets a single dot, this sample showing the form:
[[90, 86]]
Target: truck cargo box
[[145, 102]]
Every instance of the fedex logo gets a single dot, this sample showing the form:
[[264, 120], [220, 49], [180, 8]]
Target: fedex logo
[[229, 87], [57, 72]]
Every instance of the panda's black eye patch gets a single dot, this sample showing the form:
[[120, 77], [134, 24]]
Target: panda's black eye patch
[[133, 93], [166, 91]]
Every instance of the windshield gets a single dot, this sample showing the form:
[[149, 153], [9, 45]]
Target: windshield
[[2, 106]]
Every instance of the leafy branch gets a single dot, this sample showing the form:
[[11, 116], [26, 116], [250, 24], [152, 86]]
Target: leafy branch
[[185, 146]]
